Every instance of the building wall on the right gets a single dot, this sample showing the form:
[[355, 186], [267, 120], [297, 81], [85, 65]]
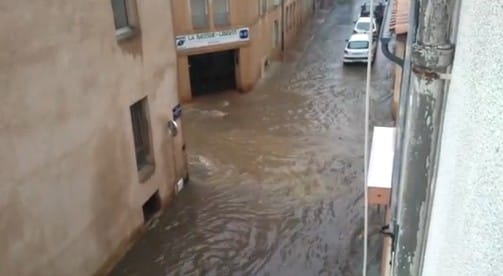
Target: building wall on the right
[[466, 227]]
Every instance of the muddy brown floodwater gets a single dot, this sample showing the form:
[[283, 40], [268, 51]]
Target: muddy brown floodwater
[[276, 174]]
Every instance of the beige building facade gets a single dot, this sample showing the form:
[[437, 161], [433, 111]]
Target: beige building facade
[[88, 150], [229, 44], [295, 14]]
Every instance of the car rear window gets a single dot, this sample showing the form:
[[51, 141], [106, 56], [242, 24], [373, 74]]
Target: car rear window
[[365, 26], [358, 45]]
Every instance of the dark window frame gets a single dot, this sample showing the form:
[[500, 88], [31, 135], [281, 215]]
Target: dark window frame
[[125, 10], [219, 15], [124, 13], [196, 23], [142, 138]]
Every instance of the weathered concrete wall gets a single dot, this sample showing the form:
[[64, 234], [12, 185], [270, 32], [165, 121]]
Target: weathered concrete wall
[[466, 233], [69, 189]]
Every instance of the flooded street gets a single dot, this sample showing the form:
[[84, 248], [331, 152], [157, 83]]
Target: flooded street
[[276, 182]]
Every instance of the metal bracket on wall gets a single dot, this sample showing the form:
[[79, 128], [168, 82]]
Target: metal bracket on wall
[[173, 128], [392, 235], [430, 62], [429, 75], [177, 112]]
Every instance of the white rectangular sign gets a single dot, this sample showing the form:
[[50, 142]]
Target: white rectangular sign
[[200, 40]]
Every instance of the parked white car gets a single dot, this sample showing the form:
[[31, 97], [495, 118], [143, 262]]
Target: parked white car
[[362, 26], [357, 49]]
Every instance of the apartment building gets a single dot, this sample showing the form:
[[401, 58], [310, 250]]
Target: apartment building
[[91, 144], [228, 44]]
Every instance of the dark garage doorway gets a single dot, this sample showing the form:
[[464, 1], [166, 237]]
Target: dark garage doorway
[[212, 72]]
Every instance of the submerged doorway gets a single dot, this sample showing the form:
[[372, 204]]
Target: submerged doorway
[[212, 72]]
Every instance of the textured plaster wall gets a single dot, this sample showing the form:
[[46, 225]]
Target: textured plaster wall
[[466, 231], [69, 189]]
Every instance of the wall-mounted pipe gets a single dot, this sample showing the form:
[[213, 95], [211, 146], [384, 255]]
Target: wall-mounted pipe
[[401, 121], [385, 35], [431, 56]]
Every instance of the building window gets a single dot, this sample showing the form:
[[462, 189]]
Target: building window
[[199, 11], [221, 12], [262, 7], [275, 34], [294, 14], [142, 139], [287, 18], [271, 4], [124, 17]]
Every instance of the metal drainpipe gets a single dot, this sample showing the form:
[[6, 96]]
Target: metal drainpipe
[[385, 35], [456, 9], [431, 55], [401, 122]]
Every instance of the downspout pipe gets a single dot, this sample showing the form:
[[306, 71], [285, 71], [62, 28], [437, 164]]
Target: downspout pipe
[[401, 123], [385, 35], [431, 56]]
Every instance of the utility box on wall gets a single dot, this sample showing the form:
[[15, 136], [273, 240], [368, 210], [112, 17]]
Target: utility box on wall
[[381, 165]]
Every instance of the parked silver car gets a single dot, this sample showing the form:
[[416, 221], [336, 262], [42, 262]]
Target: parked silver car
[[357, 48]]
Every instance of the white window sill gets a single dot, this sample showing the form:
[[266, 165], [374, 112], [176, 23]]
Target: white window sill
[[125, 33]]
